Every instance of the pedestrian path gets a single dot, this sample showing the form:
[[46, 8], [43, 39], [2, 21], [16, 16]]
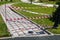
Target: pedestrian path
[[20, 26]]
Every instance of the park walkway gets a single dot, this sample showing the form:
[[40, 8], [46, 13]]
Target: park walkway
[[18, 25]]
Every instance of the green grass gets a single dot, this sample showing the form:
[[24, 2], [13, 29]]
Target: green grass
[[5, 2], [45, 22], [50, 2], [3, 28], [42, 10], [55, 31], [29, 14], [36, 8]]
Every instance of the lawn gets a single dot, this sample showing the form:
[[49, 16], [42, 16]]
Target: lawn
[[55, 31], [4, 2], [3, 28], [29, 14], [45, 22], [49, 2], [35, 8]]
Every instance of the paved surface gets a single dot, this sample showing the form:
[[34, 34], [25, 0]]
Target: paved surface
[[18, 25], [56, 37]]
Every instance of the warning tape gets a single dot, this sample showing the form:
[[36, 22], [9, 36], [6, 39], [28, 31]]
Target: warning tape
[[39, 17], [15, 19]]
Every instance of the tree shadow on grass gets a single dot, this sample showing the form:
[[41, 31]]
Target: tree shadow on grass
[[56, 17]]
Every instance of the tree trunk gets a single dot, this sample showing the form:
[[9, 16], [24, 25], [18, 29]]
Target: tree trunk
[[1, 0], [10, 0]]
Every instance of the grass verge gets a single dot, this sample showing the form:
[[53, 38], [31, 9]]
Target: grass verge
[[35, 8], [50, 2], [3, 29], [44, 21]]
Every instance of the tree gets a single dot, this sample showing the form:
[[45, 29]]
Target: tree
[[54, 0], [56, 16], [6, 0], [31, 1], [1, 0], [51, 0], [40, 0], [43, 0], [10, 0]]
